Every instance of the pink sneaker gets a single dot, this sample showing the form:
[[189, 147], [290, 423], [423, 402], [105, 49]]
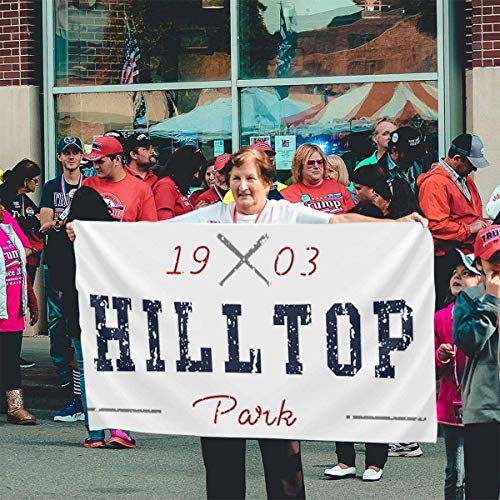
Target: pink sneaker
[[120, 439]]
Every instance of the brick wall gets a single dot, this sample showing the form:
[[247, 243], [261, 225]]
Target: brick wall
[[485, 20], [92, 53], [19, 50]]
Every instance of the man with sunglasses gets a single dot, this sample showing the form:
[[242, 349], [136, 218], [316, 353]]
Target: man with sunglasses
[[449, 198]]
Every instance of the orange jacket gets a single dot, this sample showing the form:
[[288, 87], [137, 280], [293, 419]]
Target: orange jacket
[[449, 212]]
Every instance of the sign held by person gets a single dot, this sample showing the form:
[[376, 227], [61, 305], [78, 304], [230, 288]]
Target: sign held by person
[[317, 332]]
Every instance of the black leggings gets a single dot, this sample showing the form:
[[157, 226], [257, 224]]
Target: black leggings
[[224, 460], [376, 454], [10, 350]]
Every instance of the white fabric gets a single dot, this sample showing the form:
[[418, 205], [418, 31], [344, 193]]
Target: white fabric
[[493, 206], [275, 212], [320, 376]]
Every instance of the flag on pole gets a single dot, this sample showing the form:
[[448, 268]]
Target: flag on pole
[[286, 50], [130, 75]]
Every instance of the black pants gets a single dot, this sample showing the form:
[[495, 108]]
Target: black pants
[[224, 460], [443, 267], [10, 349], [376, 454], [482, 460]]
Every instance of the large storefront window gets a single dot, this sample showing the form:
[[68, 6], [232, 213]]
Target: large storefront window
[[204, 83], [339, 118], [177, 40], [197, 117], [286, 38]]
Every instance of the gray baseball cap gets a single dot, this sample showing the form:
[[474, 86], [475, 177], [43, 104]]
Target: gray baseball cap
[[472, 147]]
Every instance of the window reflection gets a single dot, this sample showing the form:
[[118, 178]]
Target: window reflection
[[178, 40], [286, 38], [339, 118], [173, 118]]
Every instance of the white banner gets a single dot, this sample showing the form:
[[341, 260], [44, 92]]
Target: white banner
[[320, 332]]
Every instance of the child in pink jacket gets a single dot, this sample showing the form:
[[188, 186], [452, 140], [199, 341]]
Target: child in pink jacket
[[450, 364]]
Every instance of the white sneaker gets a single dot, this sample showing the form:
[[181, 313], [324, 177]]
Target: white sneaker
[[372, 475], [337, 472]]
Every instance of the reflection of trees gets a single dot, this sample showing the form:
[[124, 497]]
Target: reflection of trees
[[258, 46]]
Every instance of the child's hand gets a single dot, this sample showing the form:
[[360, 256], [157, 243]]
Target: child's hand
[[446, 352], [492, 283]]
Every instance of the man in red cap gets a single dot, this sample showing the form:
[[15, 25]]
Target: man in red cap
[[129, 199], [476, 333], [217, 192]]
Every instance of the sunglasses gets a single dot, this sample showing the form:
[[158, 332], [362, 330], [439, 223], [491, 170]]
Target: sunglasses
[[311, 163]]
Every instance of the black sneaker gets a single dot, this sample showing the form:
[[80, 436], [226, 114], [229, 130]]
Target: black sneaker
[[23, 363]]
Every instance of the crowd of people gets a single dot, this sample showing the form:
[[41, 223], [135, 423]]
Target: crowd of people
[[124, 183]]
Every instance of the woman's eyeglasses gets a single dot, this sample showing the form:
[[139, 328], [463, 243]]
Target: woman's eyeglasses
[[311, 163]]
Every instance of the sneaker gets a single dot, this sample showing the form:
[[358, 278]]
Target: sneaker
[[23, 363], [372, 475], [337, 472], [120, 439], [405, 450], [91, 443], [72, 412]]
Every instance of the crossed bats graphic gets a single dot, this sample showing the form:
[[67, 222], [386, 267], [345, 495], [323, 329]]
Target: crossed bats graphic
[[244, 258]]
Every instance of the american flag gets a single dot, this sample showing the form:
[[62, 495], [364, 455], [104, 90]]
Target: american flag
[[130, 70], [130, 74], [286, 50]]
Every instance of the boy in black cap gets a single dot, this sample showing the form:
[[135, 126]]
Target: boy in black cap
[[53, 214], [400, 160]]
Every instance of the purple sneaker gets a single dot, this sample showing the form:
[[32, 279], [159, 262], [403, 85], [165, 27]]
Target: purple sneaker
[[120, 439]]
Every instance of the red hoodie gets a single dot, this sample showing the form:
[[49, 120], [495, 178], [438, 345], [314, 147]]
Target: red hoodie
[[449, 212]]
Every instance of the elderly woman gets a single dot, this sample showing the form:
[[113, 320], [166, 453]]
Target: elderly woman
[[311, 187], [250, 174]]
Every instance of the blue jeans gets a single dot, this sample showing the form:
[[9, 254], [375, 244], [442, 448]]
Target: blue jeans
[[61, 350], [454, 483], [97, 435], [93, 435]]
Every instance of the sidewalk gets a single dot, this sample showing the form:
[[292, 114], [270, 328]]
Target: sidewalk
[[40, 383]]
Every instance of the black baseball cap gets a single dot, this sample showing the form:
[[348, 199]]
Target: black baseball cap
[[137, 140], [67, 141], [407, 139], [472, 147]]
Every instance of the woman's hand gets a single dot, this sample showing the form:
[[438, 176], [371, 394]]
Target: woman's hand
[[70, 231], [33, 315], [415, 217], [446, 352]]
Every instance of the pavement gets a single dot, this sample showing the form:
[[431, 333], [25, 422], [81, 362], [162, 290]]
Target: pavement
[[41, 385], [48, 460]]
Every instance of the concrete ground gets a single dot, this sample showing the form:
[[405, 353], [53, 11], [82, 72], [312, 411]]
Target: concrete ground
[[48, 460]]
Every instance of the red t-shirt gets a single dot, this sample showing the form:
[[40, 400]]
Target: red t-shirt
[[170, 202], [151, 178], [195, 195], [14, 280], [330, 196], [129, 200], [211, 196]]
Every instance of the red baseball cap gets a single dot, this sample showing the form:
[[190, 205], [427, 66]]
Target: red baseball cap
[[263, 146], [104, 146], [220, 161], [487, 242]]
